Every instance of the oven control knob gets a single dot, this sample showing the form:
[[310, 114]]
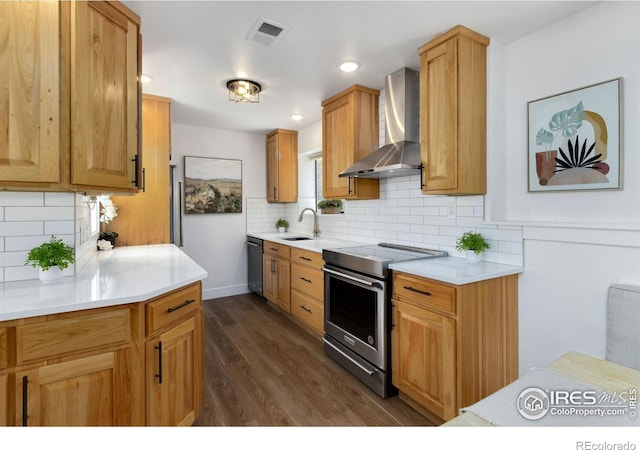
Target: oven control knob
[[370, 340]]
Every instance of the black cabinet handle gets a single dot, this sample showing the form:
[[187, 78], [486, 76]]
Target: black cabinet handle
[[304, 279], [144, 180], [175, 308], [418, 291], [421, 176], [136, 162], [349, 186], [25, 416], [305, 308], [159, 374], [305, 258]]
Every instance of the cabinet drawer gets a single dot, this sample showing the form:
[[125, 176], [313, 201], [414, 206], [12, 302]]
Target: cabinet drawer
[[425, 292], [308, 310], [3, 348], [271, 248], [308, 280], [57, 337], [172, 307], [309, 258]]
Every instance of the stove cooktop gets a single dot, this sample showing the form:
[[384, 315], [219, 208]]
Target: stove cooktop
[[375, 259]]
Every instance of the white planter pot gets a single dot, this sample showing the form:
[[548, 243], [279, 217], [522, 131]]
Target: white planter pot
[[281, 229], [53, 274], [472, 257]]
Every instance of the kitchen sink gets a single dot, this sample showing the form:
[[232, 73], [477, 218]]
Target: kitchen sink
[[298, 238]]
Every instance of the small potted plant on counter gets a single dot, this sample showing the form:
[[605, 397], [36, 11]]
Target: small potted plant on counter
[[50, 258], [282, 225], [108, 212], [474, 244], [330, 206]]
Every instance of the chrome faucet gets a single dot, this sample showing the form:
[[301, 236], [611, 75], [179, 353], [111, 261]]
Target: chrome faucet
[[316, 230]]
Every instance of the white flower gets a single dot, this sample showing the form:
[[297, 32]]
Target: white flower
[[103, 244], [109, 211]]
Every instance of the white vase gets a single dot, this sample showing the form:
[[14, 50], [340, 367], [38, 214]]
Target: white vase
[[47, 276], [473, 257], [281, 229]]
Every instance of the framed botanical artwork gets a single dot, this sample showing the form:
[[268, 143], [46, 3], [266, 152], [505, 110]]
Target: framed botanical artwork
[[212, 185], [574, 139]]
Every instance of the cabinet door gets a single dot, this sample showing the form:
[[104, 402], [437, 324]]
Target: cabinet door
[[283, 280], [82, 392], [29, 92], [338, 151], [104, 96], [144, 218], [438, 91], [423, 358], [272, 168], [173, 374], [268, 277]]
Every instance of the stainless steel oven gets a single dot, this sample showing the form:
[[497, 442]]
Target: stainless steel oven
[[357, 318]]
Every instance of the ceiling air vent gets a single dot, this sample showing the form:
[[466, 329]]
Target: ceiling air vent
[[267, 31]]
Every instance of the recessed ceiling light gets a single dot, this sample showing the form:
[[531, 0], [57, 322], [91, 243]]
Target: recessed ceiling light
[[296, 116], [349, 66], [144, 78]]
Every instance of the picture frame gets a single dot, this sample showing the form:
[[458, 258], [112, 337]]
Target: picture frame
[[212, 185], [574, 139]]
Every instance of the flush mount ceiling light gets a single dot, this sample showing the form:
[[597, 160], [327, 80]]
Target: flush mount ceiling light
[[349, 66], [296, 116], [244, 91]]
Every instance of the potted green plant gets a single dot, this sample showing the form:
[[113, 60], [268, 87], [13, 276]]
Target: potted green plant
[[50, 258], [282, 225], [108, 212], [330, 206], [474, 244]]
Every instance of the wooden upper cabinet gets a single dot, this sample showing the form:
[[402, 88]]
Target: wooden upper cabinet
[[69, 96], [349, 133], [29, 92], [104, 96], [282, 166], [453, 98], [144, 218]]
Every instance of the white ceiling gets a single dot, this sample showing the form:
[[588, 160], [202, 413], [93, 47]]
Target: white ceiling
[[192, 48]]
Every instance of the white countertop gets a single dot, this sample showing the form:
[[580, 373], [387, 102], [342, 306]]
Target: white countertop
[[455, 270], [313, 244], [122, 275]]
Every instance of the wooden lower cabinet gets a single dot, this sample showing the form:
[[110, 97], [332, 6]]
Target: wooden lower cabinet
[[307, 288], [453, 345], [90, 391], [98, 367], [175, 357], [276, 275]]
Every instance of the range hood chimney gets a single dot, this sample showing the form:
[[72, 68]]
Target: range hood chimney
[[400, 156]]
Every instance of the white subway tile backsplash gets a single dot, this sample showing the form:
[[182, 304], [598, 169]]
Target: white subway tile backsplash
[[13, 258], [58, 199], [16, 243], [21, 228], [21, 199], [59, 227], [39, 213]]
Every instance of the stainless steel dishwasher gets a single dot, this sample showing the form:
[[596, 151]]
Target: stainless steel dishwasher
[[254, 253]]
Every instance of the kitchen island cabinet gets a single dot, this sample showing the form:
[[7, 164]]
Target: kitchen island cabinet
[[174, 358], [452, 345], [69, 101], [79, 352], [282, 166], [453, 104], [349, 133]]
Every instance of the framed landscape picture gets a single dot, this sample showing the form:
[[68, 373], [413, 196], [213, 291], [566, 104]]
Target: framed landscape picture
[[212, 185], [574, 139]]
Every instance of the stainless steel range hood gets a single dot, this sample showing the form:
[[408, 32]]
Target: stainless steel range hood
[[400, 156]]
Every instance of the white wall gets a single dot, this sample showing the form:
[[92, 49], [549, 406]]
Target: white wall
[[217, 241], [576, 243]]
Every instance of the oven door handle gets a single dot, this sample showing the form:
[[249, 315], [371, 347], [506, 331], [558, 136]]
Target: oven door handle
[[352, 278], [363, 368]]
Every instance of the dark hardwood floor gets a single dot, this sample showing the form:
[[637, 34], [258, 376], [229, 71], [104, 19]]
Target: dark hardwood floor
[[262, 369]]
